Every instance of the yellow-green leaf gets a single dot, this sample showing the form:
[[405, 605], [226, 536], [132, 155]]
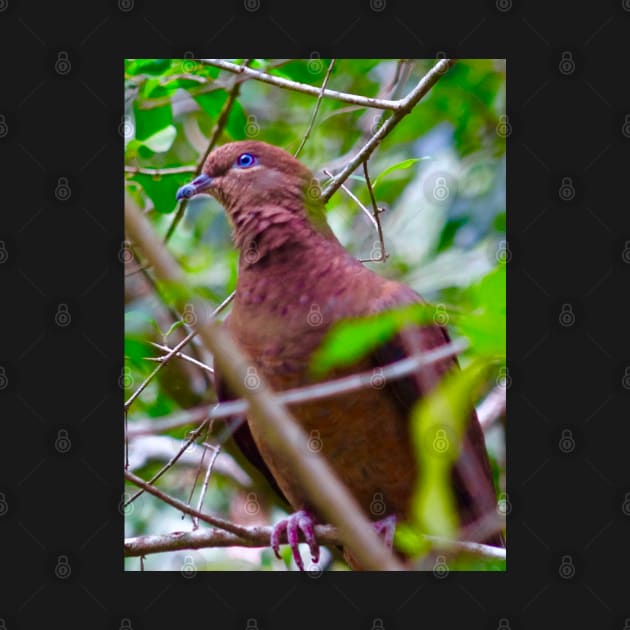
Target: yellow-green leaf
[[351, 339], [438, 423], [396, 167]]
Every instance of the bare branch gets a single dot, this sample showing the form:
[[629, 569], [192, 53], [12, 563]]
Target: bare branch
[[206, 87], [173, 352], [376, 210], [179, 355], [189, 440], [346, 384], [157, 368], [216, 132], [309, 393], [307, 133], [159, 448], [202, 538], [404, 107], [259, 537], [215, 521], [153, 426], [354, 198], [304, 88]]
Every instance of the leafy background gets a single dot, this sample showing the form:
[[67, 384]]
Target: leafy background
[[440, 175]]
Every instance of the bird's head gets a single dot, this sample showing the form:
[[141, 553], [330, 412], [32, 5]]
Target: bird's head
[[252, 172], [260, 186]]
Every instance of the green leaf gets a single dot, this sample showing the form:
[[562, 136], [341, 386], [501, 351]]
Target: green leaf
[[471, 562], [161, 190], [410, 541], [483, 322], [350, 340], [310, 71], [136, 350], [437, 426], [131, 150], [212, 102], [499, 222], [396, 167], [156, 67], [149, 121], [162, 140], [236, 122]]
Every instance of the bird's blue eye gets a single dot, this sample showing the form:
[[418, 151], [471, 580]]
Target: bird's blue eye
[[245, 160]]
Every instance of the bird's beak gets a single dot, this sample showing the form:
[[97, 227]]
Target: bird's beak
[[198, 185]]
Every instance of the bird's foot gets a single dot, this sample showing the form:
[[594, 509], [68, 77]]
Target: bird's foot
[[301, 521], [386, 528]]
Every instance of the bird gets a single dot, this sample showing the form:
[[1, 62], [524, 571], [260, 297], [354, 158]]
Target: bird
[[295, 282]]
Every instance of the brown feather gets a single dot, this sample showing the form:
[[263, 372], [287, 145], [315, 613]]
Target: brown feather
[[295, 281]]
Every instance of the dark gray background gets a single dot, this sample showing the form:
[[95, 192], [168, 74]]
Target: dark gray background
[[61, 107]]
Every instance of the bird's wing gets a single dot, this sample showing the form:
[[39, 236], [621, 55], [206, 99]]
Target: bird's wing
[[471, 475]]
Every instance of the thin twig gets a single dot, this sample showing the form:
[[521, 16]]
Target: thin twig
[[192, 436], [175, 316], [223, 117], [346, 384], [354, 198], [307, 133], [156, 426], [157, 368], [385, 92], [216, 132], [159, 448], [228, 526], [214, 452], [179, 355], [208, 86], [406, 105], [208, 429], [309, 393], [377, 211], [174, 351], [304, 88]]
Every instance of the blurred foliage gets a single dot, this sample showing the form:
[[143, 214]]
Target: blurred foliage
[[440, 176]]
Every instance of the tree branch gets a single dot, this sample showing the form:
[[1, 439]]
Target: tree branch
[[259, 537], [307, 133], [229, 534], [215, 521], [202, 538], [216, 132], [346, 384], [304, 88], [404, 106]]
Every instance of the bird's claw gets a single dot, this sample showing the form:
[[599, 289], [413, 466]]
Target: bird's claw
[[300, 521], [386, 528]]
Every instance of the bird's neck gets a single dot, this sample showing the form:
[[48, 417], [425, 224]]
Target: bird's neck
[[261, 232]]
